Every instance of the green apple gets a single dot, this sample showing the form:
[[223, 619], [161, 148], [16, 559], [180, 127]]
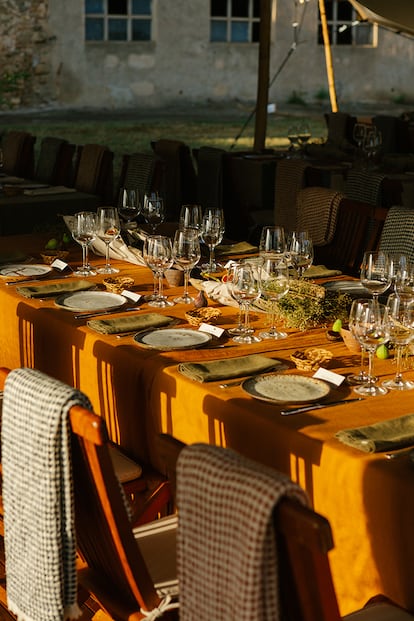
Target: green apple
[[382, 352], [337, 326], [52, 244]]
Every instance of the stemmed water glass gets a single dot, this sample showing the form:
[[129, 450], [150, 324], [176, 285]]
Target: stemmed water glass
[[84, 231], [191, 217], [212, 231], [245, 288], [300, 251], [375, 274], [274, 284], [153, 210], [400, 315], [272, 241], [371, 329], [129, 204], [108, 229], [186, 253], [362, 376], [158, 256]]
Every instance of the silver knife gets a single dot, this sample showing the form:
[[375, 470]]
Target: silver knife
[[107, 312], [318, 406]]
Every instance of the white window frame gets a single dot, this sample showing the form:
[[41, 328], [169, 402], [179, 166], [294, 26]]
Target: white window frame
[[129, 17]]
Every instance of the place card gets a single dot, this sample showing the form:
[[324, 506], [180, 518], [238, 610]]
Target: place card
[[329, 376], [58, 264], [131, 295], [214, 330]]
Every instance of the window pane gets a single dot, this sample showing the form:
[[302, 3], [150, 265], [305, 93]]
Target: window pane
[[218, 31], [141, 30], [239, 32], [240, 8], [363, 34], [141, 7], [255, 32], [94, 29], [344, 11], [218, 8], [94, 6], [344, 37], [256, 8], [328, 10], [117, 7], [117, 29]]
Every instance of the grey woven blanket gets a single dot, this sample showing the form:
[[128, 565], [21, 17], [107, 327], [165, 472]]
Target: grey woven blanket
[[40, 547]]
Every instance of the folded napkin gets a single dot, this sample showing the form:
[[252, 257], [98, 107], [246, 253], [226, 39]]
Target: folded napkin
[[57, 189], [54, 288], [239, 248], [119, 250], [214, 370], [383, 436], [117, 325], [320, 271], [215, 290]]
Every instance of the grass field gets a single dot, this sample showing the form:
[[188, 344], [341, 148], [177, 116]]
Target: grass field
[[130, 135]]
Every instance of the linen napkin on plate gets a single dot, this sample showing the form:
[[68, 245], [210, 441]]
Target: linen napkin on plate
[[54, 288], [117, 325], [383, 436], [213, 370], [320, 271], [238, 248]]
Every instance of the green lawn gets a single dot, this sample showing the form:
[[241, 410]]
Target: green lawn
[[129, 136]]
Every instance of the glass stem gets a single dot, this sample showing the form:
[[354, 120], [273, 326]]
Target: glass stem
[[107, 262], [186, 278], [370, 367], [211, 248], [246, 317], [398, 356], [85, 256], [155, 275], [273, 317], [160, 284]]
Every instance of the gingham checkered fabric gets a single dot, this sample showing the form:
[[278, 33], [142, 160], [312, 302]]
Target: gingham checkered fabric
[[317, 213], [226, 548], [364, 186], [140, 170], [398, 232], [290, 175], [40, 547]]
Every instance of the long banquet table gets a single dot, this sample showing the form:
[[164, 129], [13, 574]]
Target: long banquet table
[[368, 500]]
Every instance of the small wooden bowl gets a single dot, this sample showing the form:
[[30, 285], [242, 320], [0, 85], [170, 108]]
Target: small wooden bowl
[[311, 359], [197, 316], [118, 283], [51, 255]]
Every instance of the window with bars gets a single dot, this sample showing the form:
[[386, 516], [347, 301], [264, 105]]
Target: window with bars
[[235, 21], [118, 20], [344, 27]]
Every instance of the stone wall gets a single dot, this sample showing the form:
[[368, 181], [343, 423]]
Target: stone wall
[[25, 74]]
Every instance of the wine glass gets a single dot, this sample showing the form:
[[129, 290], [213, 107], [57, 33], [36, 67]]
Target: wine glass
[[274, 284], [400, 315], [300, 251], [245, 289], [212, 231], [375, 274], [293, 137], [191, 217], [108, 229], [304, 134], [186, 253], [84, 230], [158, 256], [272, 241], [398, 268], [362, 376], [358, 134], [371, 330], [129, 204], [153, 210], [240, 328]]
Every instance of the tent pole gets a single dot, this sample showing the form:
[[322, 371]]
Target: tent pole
[[328, 57], [263, 76]]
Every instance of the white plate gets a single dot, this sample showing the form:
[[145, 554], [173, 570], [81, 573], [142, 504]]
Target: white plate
[[352, 287], [286, 388], [90, 301], [172, 338], [24, 270]]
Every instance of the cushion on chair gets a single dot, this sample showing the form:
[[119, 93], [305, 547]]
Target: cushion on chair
[[364, 186], [398, 232], [317, 211]]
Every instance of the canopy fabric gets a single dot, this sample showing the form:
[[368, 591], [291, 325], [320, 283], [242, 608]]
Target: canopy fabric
[[397, 15]]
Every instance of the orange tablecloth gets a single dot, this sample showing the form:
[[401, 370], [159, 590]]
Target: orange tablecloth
[[368, 499]]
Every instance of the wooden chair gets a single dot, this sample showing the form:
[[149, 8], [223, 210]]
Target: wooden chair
[[124, 568], [55, 162], [18, 153], [94, 171], [304, 539]]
